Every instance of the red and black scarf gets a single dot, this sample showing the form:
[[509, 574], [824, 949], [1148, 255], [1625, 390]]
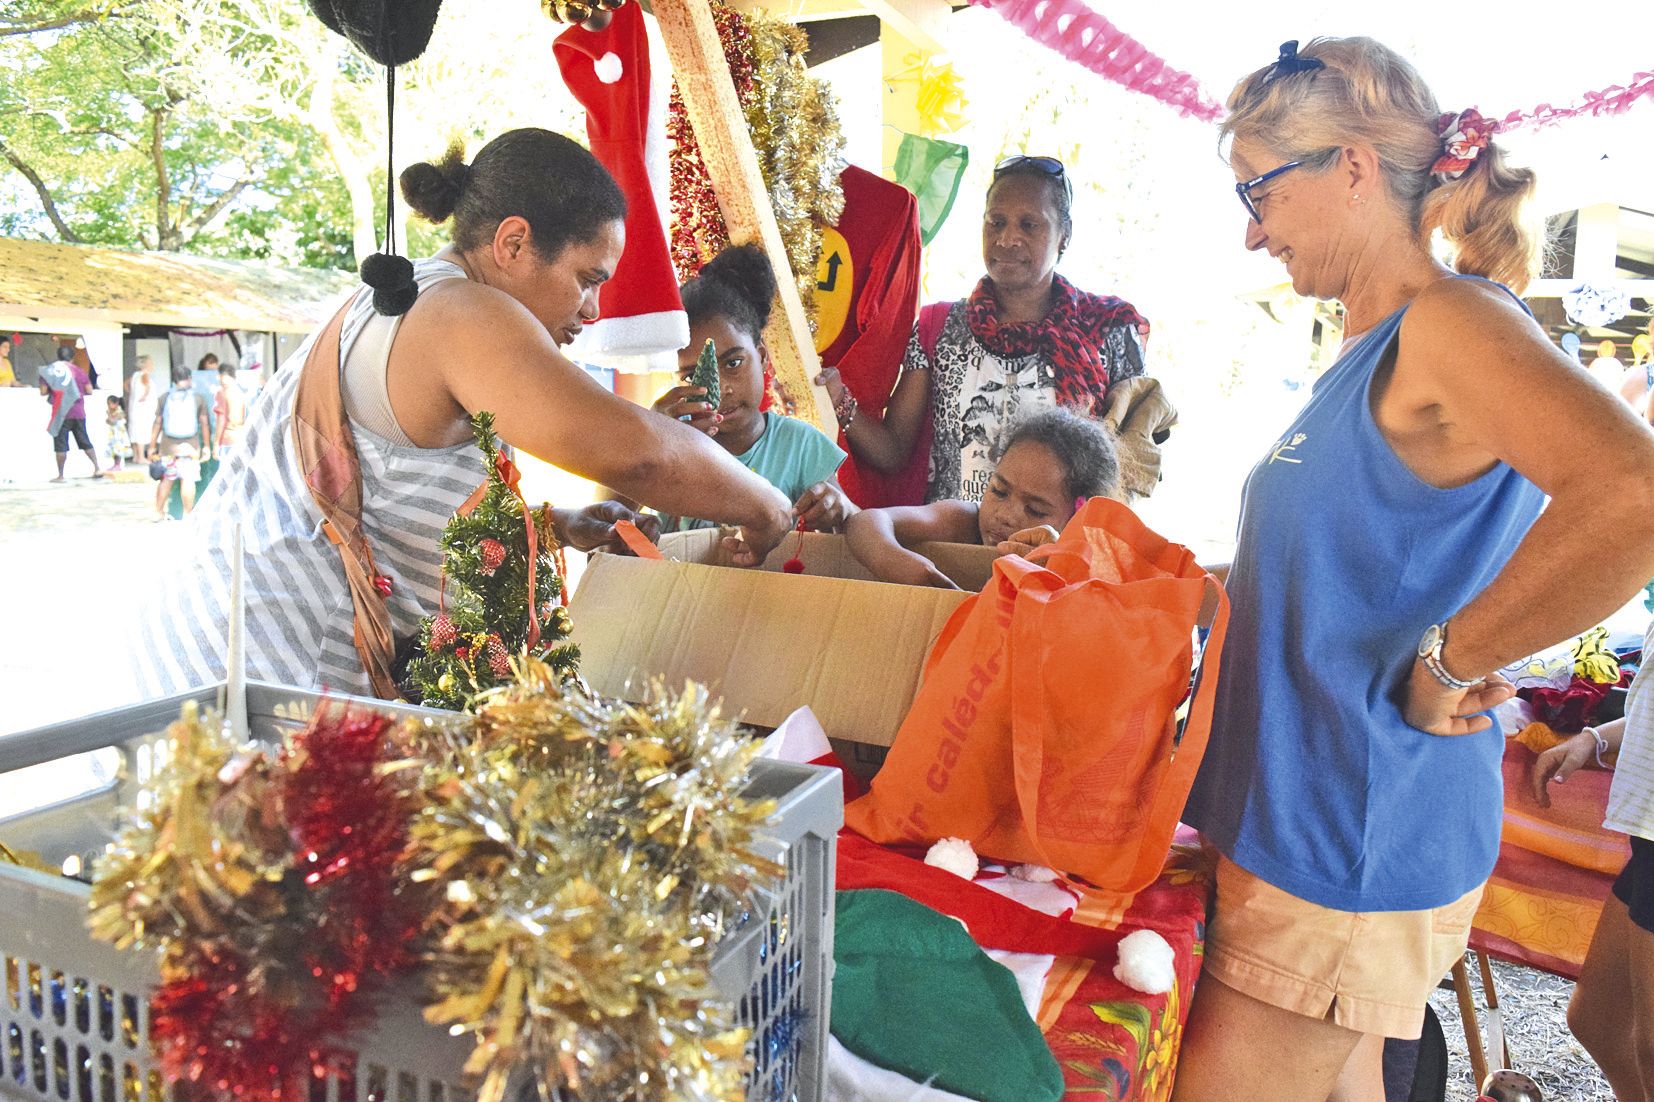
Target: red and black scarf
[[1071, 336]]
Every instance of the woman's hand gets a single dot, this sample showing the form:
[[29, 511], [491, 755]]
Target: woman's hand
[[1026, 540], [1559, 763], [824, 507], [829, 378], [593, 528], [758, 538], [689, 405], [1432, 707]]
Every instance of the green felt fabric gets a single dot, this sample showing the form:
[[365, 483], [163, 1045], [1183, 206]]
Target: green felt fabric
[[913, 993]]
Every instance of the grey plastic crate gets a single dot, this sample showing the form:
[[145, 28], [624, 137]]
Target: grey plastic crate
[[74, 1011]]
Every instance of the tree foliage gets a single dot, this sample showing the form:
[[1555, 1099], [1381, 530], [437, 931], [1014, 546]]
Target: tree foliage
[[148, 123], [243, 127]]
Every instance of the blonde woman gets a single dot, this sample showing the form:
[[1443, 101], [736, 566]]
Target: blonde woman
[[1395, 549]]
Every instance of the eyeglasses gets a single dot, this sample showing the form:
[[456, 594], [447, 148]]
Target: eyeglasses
[[1244, 188], [1045, 166]]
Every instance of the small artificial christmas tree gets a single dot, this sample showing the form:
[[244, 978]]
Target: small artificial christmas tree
[[706, 374], [489, 565]]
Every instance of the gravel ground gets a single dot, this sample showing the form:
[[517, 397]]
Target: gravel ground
[[1534, 1006]]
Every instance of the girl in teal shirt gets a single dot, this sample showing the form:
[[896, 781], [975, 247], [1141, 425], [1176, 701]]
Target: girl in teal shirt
[[729, 304]]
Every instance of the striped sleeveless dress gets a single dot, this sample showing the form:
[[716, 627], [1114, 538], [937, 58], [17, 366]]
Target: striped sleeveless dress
[[299, 616]]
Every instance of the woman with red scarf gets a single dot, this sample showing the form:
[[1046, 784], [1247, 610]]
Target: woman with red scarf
[[1025, 340]]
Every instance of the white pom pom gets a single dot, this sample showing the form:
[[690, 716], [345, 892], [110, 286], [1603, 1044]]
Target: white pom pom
[[1147, 963], [1036, 874], [609, 68], [955, 855]]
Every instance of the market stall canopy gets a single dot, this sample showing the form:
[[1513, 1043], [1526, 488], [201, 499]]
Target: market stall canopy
[[48, 281]]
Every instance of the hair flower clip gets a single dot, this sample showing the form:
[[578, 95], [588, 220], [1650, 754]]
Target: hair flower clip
[[1463, 136]]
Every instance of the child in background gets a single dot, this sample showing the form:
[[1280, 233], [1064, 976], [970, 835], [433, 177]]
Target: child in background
[[120, 442], [1612, 1010], [1053, 462], [729, 304]]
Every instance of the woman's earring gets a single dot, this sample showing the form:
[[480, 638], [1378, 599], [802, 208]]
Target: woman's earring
[[1355, 199]]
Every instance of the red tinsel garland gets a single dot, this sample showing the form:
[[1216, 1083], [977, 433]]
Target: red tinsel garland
[[698, 230], [348, 823]]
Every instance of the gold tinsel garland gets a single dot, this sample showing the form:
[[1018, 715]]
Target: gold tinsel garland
[[590, 850], [574, 860], [795, 133]]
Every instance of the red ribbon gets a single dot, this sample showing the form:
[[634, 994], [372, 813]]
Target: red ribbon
[[512, 477]]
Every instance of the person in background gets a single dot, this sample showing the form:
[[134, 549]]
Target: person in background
[[1638, 379], [181, 439], [729, 304], [66, 385], [141, 400], [205, 383], [1612, 1009], [1398, 543], [8, 375], [229, 411], [1054, 462], [120, 443], [1607, 368], [1025, 340]]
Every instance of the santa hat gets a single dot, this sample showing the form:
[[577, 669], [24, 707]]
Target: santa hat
[[643, 324]]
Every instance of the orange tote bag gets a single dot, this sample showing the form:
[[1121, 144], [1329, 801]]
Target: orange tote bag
[[1064, 709]]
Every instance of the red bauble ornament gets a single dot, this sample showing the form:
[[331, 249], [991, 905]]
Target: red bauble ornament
[[793, 566], [492, 552], [499, 659], [462, 653], [442, 631]]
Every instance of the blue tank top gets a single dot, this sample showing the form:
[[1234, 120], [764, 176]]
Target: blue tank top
[[1312, 780]]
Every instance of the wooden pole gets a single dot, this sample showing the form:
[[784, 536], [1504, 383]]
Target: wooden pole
[[1472, 1026], [726, 146]]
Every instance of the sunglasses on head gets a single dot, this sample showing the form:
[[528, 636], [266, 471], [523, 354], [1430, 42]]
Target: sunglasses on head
[[1048, 165], [1045, 166]]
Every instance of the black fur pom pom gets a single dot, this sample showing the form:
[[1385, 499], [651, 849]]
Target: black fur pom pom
[[392, 280]]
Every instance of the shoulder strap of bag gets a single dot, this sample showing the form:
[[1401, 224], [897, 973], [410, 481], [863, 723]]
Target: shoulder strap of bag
[[931, 320], [333, 473]]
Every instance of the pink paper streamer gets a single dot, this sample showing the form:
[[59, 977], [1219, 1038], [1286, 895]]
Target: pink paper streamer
[[1610, 101], [1079, 34]]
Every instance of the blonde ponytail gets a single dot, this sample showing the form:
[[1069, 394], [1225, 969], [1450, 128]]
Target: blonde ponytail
[[1481, 215]]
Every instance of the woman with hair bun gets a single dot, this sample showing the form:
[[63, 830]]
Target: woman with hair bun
[[357, 454], [729, 304], [1395, 550]]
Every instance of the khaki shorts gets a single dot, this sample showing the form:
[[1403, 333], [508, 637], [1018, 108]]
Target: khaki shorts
[[1369, 972]]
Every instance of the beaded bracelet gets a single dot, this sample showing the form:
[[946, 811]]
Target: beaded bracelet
[[845, 410]]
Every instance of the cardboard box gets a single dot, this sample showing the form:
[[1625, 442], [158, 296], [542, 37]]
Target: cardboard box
[[767, 642]]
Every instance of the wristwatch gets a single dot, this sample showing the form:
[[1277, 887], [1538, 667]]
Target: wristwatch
[[1430, 653]]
